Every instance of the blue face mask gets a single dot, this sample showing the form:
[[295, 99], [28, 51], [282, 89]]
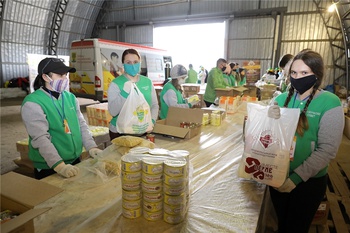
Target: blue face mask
[[132, 69]]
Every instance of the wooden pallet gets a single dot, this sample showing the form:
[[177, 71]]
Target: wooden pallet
[[338, 197]]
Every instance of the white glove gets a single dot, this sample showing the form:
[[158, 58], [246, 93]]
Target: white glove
[[94, 152], [287, 186], [274, 111], [66, 170]]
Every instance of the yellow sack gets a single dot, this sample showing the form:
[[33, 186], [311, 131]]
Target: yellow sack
[[128, 141]]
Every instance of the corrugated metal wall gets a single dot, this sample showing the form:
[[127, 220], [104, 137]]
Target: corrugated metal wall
[[26, 27], [249, 38]]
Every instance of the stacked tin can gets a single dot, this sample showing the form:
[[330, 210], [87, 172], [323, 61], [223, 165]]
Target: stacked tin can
[[152, 188], [131, 187], [175, 190]]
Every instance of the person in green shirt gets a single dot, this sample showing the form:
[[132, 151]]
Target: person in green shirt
[[171, 94], [56, 127], [215, 80], [317, 139], [192, 75]]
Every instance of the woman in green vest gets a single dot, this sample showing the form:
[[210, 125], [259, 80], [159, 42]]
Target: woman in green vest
[[56, 127], [119, 89], [171, 94], [317, 138]]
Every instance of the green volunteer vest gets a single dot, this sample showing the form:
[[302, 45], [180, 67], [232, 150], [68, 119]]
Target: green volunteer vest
[[164, 108], [308, 143], [144, 85], [69, 146]]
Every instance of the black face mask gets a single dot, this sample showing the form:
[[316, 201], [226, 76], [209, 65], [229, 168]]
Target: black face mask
[[223, 68], [303, 84]]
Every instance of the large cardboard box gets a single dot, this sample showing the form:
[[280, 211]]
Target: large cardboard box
[[232, 91], [347, 126], [171, 125], [21, 194]]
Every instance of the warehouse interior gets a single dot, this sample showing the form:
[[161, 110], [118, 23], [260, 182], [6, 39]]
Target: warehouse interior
[[255, 30]]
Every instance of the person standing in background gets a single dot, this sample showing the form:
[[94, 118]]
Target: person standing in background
[[228, 76], [318, 135], [284, 64], [115, 69], [202, 75], [215, 80], [171, 94], [120, 87], [56, 127], [192, 75]]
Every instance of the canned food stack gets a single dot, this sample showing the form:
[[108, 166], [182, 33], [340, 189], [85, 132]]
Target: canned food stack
[[131, 184], [176, 190], [152, 188]]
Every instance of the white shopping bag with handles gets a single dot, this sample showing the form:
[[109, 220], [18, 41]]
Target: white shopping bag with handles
[[135, 116], [267, 146]]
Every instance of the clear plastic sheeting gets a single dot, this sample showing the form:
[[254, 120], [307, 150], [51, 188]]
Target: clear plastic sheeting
[[220, 201]]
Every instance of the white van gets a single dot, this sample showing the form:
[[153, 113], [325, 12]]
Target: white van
[[98, 62]]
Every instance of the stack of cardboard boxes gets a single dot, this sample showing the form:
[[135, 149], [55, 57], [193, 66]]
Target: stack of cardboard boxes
[[98, 114]]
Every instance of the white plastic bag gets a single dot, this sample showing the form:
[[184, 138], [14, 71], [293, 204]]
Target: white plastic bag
[[135, 116], [267, 146]]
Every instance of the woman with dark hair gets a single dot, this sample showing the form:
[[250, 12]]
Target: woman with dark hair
[[318, 136], [56, 127], [120, 87]]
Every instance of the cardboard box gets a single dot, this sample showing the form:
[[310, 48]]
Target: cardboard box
[[232, 91], [251, 91], [347, 127], [171, 125], [191, 87], [22, 198]]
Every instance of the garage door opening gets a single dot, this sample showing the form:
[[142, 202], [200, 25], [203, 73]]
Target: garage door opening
[[197, 44]]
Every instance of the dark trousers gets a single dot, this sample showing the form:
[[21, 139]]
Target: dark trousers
[[48, 172], [296, 210]]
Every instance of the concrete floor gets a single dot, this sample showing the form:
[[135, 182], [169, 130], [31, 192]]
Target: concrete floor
[[12, 130]]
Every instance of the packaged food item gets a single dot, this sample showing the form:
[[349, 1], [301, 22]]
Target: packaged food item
[[173, 219], [151, 179], [152, 188], [132, 213], [175, 167], [131, 195], [153, 206], [152, 197], [132, 205], [130, 164], [152, 216], [131, 176], [152, 166]]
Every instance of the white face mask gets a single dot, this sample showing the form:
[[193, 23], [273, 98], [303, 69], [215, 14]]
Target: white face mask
[[58, 85]]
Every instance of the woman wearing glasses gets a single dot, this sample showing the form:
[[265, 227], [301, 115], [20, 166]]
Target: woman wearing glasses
[[55, 125]]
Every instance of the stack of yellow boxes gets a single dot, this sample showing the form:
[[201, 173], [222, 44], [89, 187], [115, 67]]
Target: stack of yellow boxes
[[98, 114]]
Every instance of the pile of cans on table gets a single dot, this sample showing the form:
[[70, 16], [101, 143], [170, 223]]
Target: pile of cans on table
[[156, 186]]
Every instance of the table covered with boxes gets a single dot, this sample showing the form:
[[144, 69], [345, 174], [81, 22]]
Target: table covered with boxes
[[183, 185]]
